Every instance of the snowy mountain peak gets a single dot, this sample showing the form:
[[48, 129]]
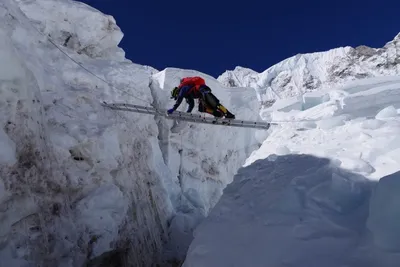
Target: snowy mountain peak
[[316, 71]]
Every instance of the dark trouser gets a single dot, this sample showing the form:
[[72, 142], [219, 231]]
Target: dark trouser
[[209, 103], [208, 98], [213, 111]]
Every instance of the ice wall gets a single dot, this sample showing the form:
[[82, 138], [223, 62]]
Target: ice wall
[[79, 182]]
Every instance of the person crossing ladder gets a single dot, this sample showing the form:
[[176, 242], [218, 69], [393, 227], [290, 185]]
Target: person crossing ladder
[[195, 87]]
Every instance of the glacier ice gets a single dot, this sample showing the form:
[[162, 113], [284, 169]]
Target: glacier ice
[[387, 112], [7, 154]]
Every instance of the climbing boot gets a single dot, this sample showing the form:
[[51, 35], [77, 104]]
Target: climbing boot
[[229, 115]]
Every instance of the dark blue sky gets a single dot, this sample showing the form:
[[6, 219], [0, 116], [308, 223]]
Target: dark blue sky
[[213, 36]]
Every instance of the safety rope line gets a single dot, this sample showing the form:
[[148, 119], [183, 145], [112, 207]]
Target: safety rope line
[[296, 121], [88, 70], [83, 67], [139, 110]]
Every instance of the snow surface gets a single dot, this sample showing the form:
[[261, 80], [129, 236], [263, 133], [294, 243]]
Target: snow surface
[[358, 128], [315, 186], [301, 210]]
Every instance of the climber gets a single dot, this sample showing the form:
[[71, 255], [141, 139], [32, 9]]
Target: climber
[[192, 88]]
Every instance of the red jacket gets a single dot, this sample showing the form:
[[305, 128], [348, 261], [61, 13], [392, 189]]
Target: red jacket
[[194, 82], [189, 89]]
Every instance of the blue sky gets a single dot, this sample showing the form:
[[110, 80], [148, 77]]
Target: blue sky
[[213, 36]]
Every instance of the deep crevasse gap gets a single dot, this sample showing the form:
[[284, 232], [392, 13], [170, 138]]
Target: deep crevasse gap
[[202, 160]]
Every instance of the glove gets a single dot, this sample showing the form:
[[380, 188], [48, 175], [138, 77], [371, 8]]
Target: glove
[[169, 111]]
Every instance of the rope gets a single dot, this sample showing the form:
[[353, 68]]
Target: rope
[[314, 120], [181, 161], [83, 67]]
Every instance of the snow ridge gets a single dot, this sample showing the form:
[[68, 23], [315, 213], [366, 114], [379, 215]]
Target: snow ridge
[[317, 71]]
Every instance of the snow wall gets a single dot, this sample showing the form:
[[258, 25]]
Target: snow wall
[[301, 210]]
